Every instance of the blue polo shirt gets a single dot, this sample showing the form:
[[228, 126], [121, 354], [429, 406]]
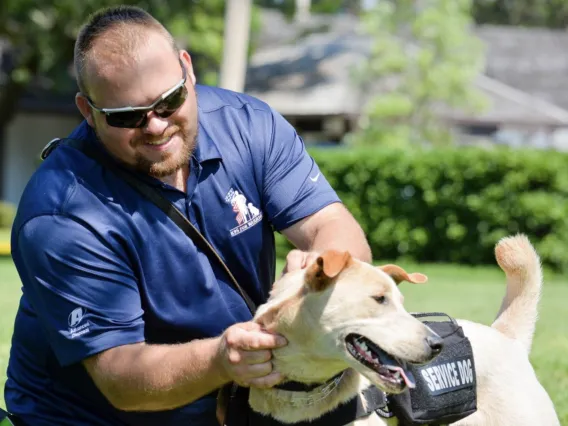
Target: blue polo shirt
[[102, 267]]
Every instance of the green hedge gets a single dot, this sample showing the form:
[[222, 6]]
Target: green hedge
[[452, 205]]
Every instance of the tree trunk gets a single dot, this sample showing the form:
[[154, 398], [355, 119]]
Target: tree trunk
[[235, 45], [302, 10]]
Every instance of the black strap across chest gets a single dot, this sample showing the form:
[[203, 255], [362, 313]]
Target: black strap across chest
[[155, 196]]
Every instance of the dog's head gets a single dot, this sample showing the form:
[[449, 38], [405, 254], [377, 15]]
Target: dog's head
[[340, 313]]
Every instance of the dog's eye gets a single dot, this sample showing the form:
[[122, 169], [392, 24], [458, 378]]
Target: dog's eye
[[380, 299]]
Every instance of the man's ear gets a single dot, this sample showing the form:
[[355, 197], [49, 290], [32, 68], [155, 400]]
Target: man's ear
[[325, 269], [84, 108], [398, 274], [185, 57]]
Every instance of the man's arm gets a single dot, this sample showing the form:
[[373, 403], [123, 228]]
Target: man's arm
[[143, 377], [65, 266], [332, 227]]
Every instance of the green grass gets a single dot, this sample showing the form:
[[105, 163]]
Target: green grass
[[9, 299], [464, 292]]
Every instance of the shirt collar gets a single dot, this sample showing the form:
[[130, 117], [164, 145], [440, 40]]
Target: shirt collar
[[206, 148]]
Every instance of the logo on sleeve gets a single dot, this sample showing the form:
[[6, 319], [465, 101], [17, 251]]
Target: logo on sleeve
[[246, 214], [76, 325]]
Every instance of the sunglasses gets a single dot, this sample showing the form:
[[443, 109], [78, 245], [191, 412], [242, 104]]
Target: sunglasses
[[136, 117]]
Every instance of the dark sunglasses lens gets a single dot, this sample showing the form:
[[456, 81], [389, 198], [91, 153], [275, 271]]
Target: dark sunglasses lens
[[172, 102], [127, 119]]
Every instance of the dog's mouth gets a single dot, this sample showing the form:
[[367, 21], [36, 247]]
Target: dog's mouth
[[391, 370]]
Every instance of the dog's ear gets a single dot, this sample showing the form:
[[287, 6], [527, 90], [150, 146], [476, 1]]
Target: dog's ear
[[398, 274], [326, 267]]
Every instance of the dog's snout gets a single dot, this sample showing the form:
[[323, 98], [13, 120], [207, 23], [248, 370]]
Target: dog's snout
[[435, 343]]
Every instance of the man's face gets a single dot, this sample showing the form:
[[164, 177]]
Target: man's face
[[163, 145]]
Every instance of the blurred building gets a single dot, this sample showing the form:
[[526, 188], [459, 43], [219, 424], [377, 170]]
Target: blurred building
[[303, 71]]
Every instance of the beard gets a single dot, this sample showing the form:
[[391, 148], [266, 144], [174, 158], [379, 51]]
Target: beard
[[170, 162]]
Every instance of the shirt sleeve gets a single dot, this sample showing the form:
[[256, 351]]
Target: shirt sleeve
[[83, 292], [294, 186]]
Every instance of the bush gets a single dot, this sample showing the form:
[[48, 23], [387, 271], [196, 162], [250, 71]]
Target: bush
[[7, 214], [453, 205]]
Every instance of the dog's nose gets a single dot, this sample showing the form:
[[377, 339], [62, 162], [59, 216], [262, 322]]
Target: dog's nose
[[436, 343]]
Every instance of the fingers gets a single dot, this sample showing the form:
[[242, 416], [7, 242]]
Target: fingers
[[249, 372], [267, 381], [297, 259], [253, 340], [246, 354], [260, 375], [249, 357], [294, 261]]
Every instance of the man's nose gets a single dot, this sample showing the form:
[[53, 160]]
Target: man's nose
[[155, 125]]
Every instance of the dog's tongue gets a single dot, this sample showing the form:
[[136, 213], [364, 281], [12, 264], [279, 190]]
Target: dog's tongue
[[394, 365], [407, 376]]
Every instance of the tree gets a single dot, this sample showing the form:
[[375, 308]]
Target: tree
[[288, 7], [530, 13], [423, 59], [41, 35]]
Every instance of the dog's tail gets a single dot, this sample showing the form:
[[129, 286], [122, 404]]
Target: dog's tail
[[519, 309]]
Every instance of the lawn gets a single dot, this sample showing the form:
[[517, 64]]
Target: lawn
[[464, 292]]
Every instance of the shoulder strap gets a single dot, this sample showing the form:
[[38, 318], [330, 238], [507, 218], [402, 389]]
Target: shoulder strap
[[432, 314], [157, 198]]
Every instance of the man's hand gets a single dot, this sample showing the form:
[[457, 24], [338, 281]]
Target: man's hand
[[245, 354], [297, 259]]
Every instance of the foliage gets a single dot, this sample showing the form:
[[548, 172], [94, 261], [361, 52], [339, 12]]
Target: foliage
[[288, 7], [528, 13], [41, 36], [452, 205], [423, 59]]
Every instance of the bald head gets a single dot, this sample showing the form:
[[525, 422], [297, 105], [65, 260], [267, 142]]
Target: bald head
[[113, 37]]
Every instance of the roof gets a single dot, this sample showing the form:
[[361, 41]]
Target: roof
[[534, 60], [312, 77], [508, 105], [308, 78]]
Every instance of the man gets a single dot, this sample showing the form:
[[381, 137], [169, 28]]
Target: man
[[123, 321]]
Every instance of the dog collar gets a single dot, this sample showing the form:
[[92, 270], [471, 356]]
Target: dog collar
[[306, 395], [303, 387]]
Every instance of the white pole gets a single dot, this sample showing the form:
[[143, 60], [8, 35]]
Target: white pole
[[303, 10], [235, 44]]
